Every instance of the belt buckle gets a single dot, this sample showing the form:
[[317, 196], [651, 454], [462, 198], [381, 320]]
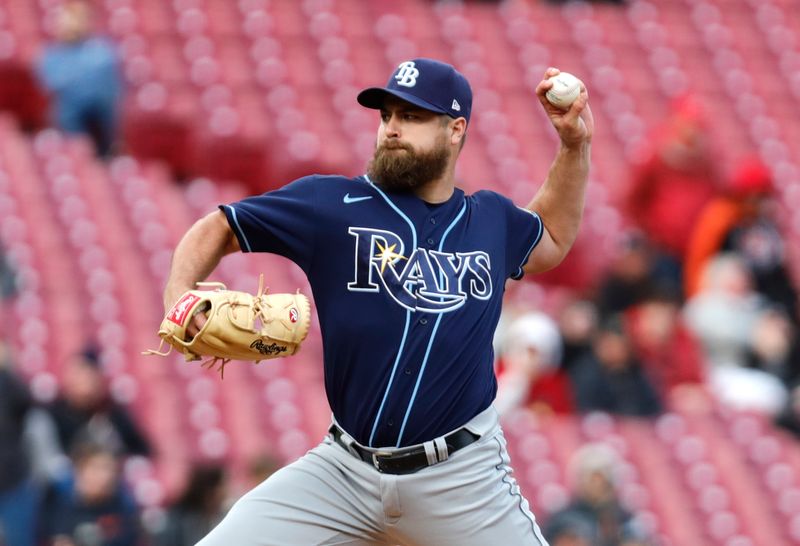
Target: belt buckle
[[376, 462]]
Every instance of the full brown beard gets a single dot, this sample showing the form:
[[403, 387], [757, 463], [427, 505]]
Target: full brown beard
[[406, 171]]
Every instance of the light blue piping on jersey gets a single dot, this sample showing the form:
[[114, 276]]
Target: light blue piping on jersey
[[433, 333], [408, 313], [519, 273], [239, 228]]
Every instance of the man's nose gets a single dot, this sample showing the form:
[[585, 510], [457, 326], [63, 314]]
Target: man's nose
[[391, 127]]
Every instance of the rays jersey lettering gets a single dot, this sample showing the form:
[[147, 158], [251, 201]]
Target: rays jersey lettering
[[427, 280]]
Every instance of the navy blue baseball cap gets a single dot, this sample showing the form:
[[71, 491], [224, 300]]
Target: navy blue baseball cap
[[429, 84]]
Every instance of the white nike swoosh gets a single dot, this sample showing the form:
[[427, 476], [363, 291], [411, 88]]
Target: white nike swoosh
[[347, 199]]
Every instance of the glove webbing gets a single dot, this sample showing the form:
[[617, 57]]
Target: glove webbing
[[211, 362]]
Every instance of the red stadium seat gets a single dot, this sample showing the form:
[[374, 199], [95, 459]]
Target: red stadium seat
[[21, 95]]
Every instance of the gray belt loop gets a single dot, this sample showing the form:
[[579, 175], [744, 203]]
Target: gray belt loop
[[346, 439], [348, 442]]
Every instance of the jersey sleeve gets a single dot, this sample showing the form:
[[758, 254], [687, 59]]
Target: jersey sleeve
[[524, 230], [280, 221]]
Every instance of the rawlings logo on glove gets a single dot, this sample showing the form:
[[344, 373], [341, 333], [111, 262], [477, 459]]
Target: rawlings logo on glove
[[181, 309], [239, 326]]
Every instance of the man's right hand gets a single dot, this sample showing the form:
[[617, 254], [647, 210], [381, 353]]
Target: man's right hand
[[197, 321]]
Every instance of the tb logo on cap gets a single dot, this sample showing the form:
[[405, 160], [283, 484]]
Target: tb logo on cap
[[407, 74]]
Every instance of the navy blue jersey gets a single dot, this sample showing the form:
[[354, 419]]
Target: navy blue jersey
[[408, 295]]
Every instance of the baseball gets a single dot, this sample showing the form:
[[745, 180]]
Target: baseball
[[565, 90]]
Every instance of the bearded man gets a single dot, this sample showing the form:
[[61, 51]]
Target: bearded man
[[408, 275]]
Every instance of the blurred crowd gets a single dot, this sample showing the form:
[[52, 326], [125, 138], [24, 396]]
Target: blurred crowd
[[698, 305], [698, 309], [62, 481]]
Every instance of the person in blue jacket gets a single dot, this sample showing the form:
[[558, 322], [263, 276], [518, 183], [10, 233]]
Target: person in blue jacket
[[80, 71], [91, 506]]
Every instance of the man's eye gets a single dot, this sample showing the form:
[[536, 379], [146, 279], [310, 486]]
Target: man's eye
[[409, 117]]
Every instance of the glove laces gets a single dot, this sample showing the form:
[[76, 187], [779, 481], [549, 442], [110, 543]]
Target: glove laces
[[217, 363]]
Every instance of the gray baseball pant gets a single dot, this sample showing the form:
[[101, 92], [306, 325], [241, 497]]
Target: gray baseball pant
[[329, 497]]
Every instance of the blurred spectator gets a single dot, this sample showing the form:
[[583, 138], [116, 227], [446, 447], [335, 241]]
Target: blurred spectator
[[85, 408], [722, 315], [724, 311], [257, 469], [789, 416], [676, 180], [636, 272], [741, 222], [91, 507], [8, 277], [201, 506], [775, 346], [595, 510], [528, 370], [577, 323], [669, 352], [570, 530], [8, 288], [18, 495], [610, 378], [260, 468], [81, 72]]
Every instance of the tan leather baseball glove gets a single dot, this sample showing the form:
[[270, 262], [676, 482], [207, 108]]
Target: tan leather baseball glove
[[239, 326]]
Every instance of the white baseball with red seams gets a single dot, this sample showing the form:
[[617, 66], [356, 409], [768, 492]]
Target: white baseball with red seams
[[566, 88]]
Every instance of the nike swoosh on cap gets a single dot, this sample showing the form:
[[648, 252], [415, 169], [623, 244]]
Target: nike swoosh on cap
[[347, 199]]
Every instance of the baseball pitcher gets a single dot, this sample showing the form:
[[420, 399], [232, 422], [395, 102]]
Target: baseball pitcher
[[408, 274]]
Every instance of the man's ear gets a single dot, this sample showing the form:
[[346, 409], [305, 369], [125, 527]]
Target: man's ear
[[458, 128]]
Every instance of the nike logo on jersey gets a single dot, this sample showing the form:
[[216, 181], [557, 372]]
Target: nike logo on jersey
[[347, 199], [427, 280]]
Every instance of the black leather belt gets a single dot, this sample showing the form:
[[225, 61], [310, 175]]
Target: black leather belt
[[403, 460]]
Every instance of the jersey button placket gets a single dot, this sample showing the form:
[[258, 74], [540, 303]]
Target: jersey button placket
[[430, 231]]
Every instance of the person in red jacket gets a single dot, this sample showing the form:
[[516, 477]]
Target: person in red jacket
[[667, 350], [528, 370], [674, 182]]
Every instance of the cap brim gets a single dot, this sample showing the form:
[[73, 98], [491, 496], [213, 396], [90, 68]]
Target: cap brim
[[374, 98]]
